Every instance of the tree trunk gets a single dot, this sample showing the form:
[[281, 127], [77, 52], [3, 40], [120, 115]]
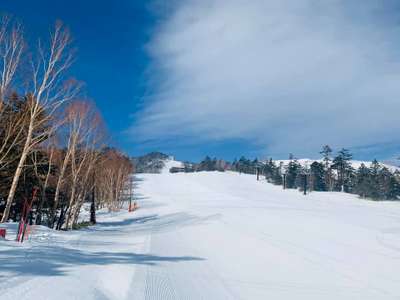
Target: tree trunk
[[72, 216], [38, 220], [17, 174], [75, 215], [57, 192], [71, 204]]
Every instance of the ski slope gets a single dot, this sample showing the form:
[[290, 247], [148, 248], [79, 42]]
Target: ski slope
[[213, 235]]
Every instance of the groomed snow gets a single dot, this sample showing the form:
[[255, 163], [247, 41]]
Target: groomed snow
[[213, 235]]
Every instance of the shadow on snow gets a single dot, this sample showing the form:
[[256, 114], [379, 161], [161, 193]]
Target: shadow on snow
[[55, 260]]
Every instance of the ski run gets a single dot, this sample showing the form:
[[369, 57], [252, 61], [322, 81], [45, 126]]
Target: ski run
[[212, 235]]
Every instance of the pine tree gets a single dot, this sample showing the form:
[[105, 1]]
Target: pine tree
[[318, 182], [327, 160], [235, 165], [326, 154], [293, 169], [277, 176], [363, 181], [388, 185], [272, 173], [342, 164], [269, 170], [393, 192], [375, 180], [206, 164]]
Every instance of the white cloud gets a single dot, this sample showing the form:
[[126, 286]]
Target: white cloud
[[288, 75]]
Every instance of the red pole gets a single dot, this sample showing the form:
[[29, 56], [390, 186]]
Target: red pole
[[21, 222], [24, 218]]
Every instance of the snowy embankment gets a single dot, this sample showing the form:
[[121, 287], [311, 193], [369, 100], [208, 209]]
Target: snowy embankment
[[215, 236]]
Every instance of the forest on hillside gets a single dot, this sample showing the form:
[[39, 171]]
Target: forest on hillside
[[55, 153], [333, 173]]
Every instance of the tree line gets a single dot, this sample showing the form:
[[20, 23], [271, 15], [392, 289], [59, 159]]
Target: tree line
[[53, 144], [337, 173], [332, 173]]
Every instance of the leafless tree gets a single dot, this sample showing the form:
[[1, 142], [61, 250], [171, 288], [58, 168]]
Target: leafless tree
[[11, 49], [112, 177], [84, 133], [46, 161], [49, 92]]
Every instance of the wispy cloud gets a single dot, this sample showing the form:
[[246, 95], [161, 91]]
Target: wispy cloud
[[286, 75]]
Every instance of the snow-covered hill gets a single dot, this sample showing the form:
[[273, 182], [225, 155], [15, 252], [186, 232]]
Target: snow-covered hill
[[171, 163], [155, 162], [213, 235]]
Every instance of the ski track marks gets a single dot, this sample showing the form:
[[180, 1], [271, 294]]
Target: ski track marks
[[213, 235]]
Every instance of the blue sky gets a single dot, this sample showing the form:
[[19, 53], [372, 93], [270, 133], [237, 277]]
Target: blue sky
[[111, 60], [231, 78]]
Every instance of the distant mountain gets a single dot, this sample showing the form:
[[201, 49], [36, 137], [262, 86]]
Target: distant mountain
[[153, 162]]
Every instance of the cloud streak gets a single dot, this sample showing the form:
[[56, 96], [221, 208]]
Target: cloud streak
[[285, 75]]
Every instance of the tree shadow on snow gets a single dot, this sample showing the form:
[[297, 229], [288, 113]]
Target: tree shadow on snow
[[56, 261], [155, 223], [130, 221]]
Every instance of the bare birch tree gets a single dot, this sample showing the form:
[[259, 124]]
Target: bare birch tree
[[112, 177], [11, 49], [49, 92], [48, 162], [84, 133]]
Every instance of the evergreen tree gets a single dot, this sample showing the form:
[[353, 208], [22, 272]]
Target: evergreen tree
[[276, 176], [375, 180], [207, 164], [234, 166], [326, 154], [317, 179], [293, 169], [245, 166], [326, 158], [269, 169], [342, 164], [389, 186], [393, 192], [363, 181], [272, 173]]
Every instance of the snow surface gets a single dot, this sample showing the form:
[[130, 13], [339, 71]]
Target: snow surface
[[213, 235]]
